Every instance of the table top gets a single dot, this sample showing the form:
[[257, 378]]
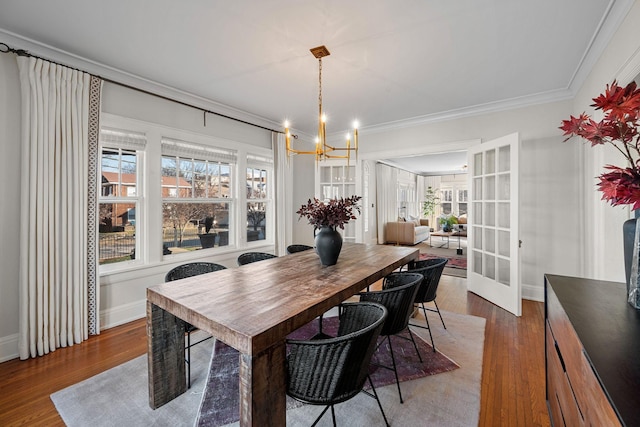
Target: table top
[[461, 233], [254, 306]]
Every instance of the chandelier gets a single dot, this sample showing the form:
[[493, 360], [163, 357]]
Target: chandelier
[[323, 150]]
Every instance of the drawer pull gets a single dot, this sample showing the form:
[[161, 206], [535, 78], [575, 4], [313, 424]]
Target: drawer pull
[[564, 368]]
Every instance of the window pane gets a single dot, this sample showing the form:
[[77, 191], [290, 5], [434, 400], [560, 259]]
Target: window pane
[[256, 183], [118, 169], [256, 221], [117, 230], [184, 224]]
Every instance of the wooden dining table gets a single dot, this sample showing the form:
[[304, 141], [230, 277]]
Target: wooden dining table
[[252, 309]]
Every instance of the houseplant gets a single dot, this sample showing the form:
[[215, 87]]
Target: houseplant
[[447, 221], [327, 217], [620, 185], [208, 240], [430, 203]]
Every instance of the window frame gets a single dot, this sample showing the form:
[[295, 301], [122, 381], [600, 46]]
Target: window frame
[[150, 239]]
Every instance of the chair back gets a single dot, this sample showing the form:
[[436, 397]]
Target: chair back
[[192, 269], [329, 371], [397, 295], [249, 257], [431, 270], [291, 249]]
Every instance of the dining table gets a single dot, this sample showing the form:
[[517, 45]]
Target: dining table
[[253, 308]]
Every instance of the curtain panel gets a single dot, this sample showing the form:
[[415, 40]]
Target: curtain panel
[[386, 198], [58, 286], [283, 194]]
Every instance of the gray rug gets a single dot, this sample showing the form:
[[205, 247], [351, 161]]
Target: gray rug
[[119, 396]]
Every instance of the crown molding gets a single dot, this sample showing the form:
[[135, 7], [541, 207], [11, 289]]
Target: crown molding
[[617, 11], [474, 110], [116, 75]]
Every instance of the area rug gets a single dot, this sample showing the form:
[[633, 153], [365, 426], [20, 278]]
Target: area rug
[[220, 401], [119, 396], [453, 262]]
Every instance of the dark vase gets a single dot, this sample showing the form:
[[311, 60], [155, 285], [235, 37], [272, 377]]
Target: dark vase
[[631, 239], [328, 245], [446, 227], [628, 235]]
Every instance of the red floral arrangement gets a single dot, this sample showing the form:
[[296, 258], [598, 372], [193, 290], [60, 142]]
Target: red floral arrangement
[[619, 127], [334, 213]]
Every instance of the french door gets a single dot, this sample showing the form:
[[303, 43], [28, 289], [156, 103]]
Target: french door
[[493, 235]]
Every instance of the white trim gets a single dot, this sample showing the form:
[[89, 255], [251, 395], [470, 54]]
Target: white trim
[[533, 292], [122, 314], [8, 347], [104, 71]]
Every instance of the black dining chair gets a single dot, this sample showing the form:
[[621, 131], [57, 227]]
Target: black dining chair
[[181, 272], [249, 257], [431, 270], [331, 371], [291, 249], [397, 295]]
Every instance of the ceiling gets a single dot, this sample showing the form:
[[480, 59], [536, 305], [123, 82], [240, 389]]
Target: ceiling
[[449, 163], [391, 64]]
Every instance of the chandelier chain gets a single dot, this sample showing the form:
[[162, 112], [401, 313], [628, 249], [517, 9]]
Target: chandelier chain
[[320, 85]]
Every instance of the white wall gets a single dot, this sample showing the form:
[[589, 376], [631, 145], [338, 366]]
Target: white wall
[[9, 204]]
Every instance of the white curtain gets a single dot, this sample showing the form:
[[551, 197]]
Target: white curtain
[[387, 197], [284, 194], [57, 263]]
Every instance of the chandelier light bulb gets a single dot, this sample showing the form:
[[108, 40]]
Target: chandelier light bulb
[[324, 118], [355, 124]]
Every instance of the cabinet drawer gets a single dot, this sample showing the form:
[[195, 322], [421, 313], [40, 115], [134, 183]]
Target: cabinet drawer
[[570, 347], [599, 412], [565, 410]]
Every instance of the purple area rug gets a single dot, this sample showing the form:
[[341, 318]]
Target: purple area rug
[[454, 262], [220, 405]]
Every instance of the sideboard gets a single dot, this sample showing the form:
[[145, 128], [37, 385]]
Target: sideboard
[[592, 349]]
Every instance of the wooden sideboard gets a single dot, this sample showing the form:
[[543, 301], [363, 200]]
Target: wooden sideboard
[[592, 346]]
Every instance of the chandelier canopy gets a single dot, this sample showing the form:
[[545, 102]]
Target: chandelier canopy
[[323, 150]]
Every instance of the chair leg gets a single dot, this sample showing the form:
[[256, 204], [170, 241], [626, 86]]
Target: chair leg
[[188, 360], [321, 414], [395, 368], [333, 416], [414, 344], [428, 327], [375, 394], [434, 301]]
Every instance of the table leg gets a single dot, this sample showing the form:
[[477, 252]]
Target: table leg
[[165, 356], [263, 388]]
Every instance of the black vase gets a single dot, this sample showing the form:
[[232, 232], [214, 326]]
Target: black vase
[[628, 235], [328, 245]]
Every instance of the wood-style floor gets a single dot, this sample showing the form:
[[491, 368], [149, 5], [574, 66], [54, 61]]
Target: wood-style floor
[[513, 388]]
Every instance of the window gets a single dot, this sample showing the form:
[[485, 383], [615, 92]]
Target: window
[[193, 197], [446, 201], [196, 197], [119, 195], [462, 202], [259, 203]]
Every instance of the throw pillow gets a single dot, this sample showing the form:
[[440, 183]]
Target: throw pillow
[[415, 220], [401, 219]]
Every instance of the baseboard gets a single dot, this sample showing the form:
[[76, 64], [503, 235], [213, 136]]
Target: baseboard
[[9, 348], [533, 293], [108, 319], [123, 314]]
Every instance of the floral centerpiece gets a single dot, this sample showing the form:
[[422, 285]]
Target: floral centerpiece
[[328, 216], [618, 128], [620, 185], [334, 213]]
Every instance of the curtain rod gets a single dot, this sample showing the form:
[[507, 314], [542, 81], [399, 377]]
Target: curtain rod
[[4, 48]]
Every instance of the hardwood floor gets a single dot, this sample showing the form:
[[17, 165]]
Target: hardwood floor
[[513, 387]]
